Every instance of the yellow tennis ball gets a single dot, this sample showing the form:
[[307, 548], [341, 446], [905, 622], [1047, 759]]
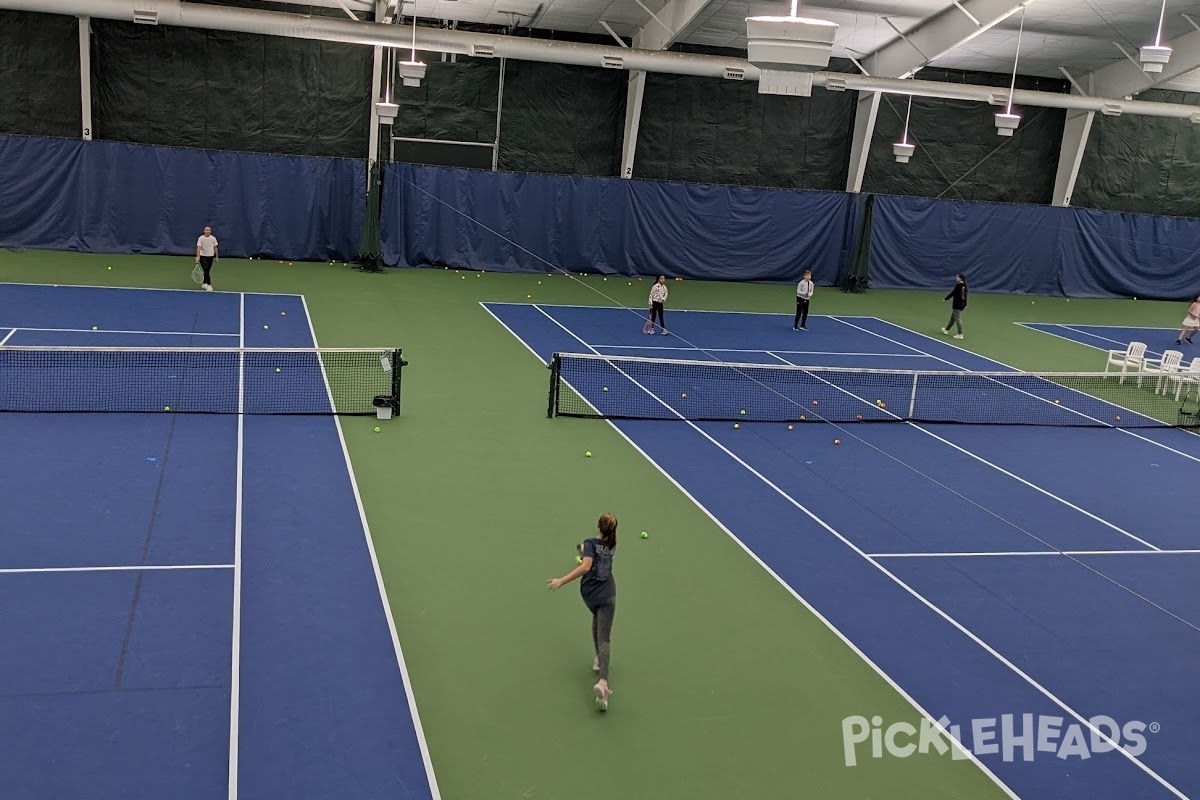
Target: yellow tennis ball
[[789, 427], [166, 408], [736, 426], [377, 429], [588, 454]]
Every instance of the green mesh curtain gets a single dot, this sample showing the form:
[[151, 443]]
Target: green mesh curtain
[[860, 267], [370, 249]]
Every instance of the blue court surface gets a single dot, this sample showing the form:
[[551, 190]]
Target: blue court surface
[[1114, 337], [191, 607], [1032, 587]]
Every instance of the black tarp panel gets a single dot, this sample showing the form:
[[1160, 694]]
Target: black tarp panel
[[230, 91], [959, 154], [39, 74], [562, 119], [456, 101], [1145, 165], [710, 130]]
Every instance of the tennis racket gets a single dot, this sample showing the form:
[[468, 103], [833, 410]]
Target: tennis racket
[[198, 273], [649, 326]]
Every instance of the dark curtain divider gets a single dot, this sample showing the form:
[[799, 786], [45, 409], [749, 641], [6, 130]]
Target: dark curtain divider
[[511, 222], [105, 197]]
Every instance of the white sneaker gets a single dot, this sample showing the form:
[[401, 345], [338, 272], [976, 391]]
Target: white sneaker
[[602, 694], [595, 665], [945, 331], [958, 336], [208, 287], [664, 333]]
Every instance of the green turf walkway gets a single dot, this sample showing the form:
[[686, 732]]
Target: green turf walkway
[[725, 686]]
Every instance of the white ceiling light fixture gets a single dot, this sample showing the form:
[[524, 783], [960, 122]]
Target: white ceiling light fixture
[[903, 150], [1007, 121], [788, 50], [1155, 56], [412, 71]]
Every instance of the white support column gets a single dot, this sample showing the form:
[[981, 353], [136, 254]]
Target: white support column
[[85, 75], [499, 114], [1070, 156], [633, 119], [864, 129]]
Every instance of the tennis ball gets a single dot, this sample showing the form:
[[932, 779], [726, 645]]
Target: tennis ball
[[283, 313], [578, 559], [290, 264], [377, 429], [1118, 418], [814, 402], [742, 412], [464, 277], [837, 441], [93, 327], [110, 267], [588, 454], [265, 328], [277, 369], [605, 389], [1056, 402], [528, 296], [684, 395], [645, 535], [539, 283], [736, 426], [166, 408], [789, 427], [859, 417], [802, 418]]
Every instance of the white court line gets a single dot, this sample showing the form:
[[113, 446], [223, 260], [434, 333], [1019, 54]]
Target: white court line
[[785, 314], [117, 568], [734, 350], [1120, 344], [235, 673], [1016, 371], [765, 567], [7, 336], [105, 330], [1103, 736], [1076, 341], [1124, 327], [139, 289], [383, 598], [1023, 553], [985, 462]]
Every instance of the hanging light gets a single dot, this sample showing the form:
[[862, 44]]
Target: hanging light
[[1155, 56], [1007, 122], [902, 149], [412, 71]]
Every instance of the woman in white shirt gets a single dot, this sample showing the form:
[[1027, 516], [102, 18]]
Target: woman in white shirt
[[658, 296], [1191, 322], [206, 253]]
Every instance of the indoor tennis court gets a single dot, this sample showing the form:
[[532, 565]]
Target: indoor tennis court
[[977, 565], [905, 511], [204, 588]]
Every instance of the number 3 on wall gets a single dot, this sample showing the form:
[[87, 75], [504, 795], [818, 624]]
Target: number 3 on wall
[[87, 133]]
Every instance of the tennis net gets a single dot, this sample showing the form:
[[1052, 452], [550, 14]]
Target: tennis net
[[207, 380], [584, 385]]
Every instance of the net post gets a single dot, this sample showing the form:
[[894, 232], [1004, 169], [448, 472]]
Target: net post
[[552, 402], [912, 399], [397, 363]]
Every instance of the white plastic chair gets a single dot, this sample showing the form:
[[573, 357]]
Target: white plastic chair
[[1185, 379], [1164, 367], [1133, 356]]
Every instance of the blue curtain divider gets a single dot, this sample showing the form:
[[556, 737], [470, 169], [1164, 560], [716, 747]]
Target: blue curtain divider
[[513, 222], [108, 197]]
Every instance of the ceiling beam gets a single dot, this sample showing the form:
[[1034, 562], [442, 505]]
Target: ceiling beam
[[1124, 78], [955, 25], [669, 24]]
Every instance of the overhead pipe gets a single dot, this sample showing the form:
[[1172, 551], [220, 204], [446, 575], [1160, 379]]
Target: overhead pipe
[[521, 48]]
